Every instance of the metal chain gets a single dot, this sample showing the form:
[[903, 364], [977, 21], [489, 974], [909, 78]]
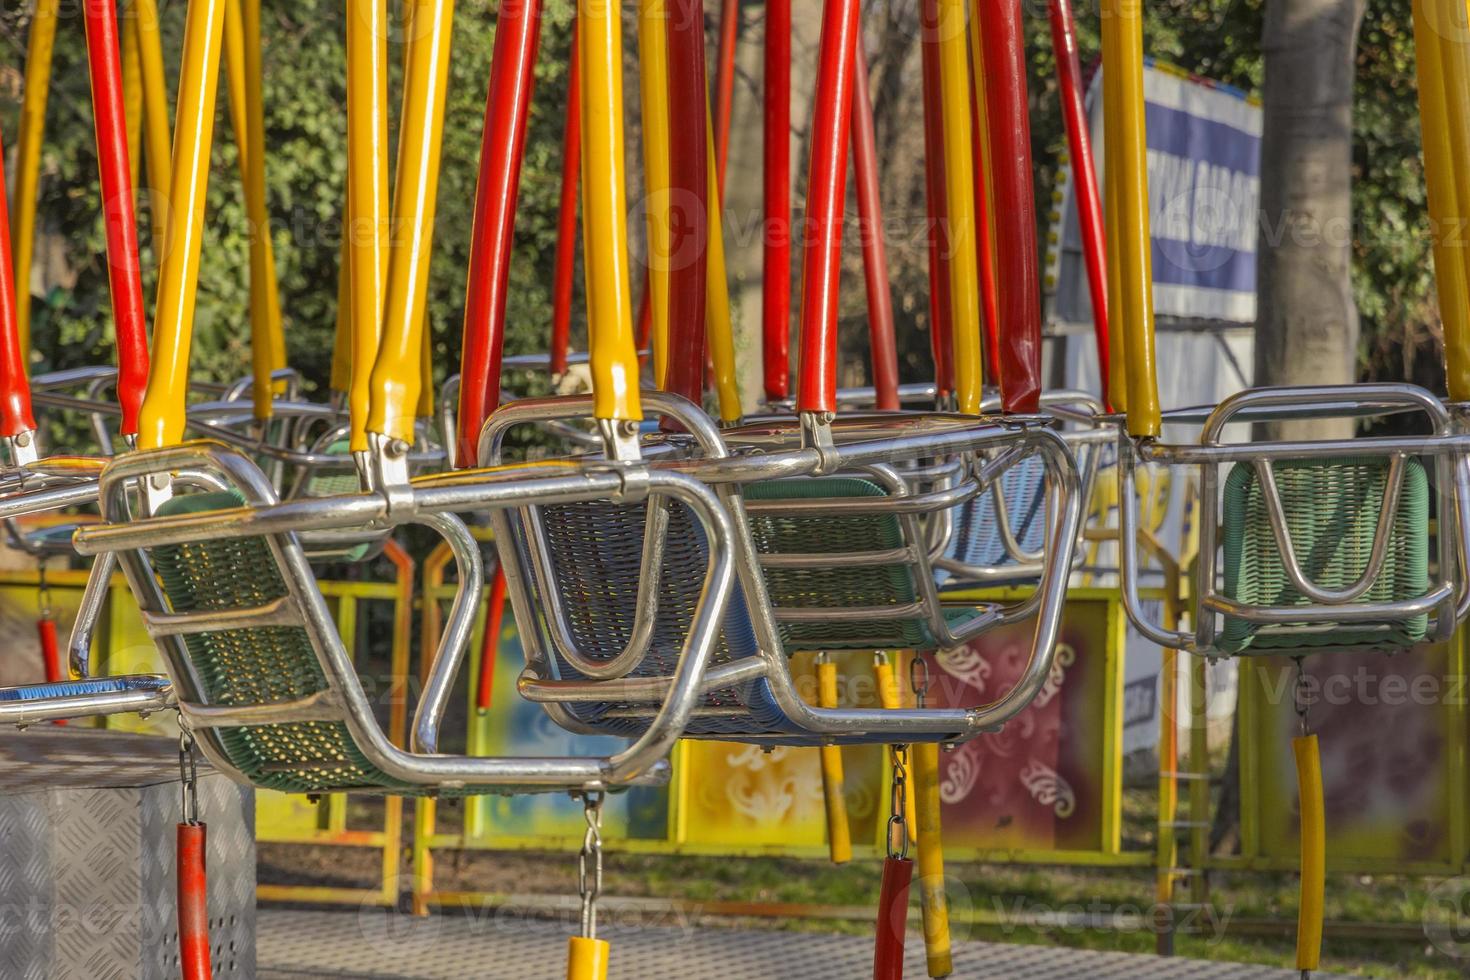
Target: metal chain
[[589, 885], [1300, 696], [43, 591], [188, 776], [898, 823], [919, 678]]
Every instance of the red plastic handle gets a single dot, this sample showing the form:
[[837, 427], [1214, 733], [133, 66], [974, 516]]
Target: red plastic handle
[[490, 645], [507, 107], [1019, 283], [193, 903], [566, 219], [1084, 175], [826, 191], [883, 349], [893, 918], [124, 277], [50, 650], [936, 204], [15, 390], [689, 201], [776, 289], [984, 248]]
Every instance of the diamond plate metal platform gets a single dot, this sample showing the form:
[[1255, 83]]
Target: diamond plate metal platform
[[377, 944]]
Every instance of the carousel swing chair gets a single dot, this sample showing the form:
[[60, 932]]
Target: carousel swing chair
[[256, 670], [818, 504], [1306, 544]]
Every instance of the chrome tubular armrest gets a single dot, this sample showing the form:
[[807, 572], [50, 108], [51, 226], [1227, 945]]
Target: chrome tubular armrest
[[33, 704]]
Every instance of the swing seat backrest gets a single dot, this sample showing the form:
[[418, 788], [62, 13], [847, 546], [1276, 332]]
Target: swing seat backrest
[[1332, 510], [977, 539]]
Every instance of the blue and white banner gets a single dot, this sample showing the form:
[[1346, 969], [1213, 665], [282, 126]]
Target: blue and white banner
[[1204, 160]]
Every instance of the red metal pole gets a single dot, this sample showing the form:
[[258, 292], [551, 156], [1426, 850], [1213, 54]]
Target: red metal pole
[[826, 190], [725, 93], [193, 898], [125, 280], [883, 347], [566, 219], [985, 248], [689, 196], [15, 391], [490, 645], [1084, 177], [776, 291], [893, 918], [937, 208], [1019, 280], [507, 105]]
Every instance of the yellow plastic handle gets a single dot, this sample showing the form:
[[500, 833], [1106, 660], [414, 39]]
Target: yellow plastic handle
[[39, 46], [1127, 163], [342, 337], [1314, 851], [614, 355], [162, 420], [1117, 335], [653, 75], [396, 376], [367, 225], [587, 959], [132, 83], [839, 835], [932, 898], [959, 185], [1443, 51], [718, 327]]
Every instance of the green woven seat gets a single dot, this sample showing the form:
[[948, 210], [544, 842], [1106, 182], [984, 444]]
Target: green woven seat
[[1332, 510], [265, 664], [890, 584]]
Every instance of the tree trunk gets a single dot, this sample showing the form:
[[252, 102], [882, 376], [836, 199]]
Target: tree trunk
[[1307, 322]]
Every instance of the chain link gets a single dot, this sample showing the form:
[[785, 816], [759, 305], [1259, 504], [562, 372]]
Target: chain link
[[1301, 698], [43, 591], [919, 678], [188, 776], [898, 821], [589, 863]]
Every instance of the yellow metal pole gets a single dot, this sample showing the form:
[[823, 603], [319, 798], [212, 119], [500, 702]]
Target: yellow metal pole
[[587, 958], [132, 81], [959, 182], [653, 74], [162, 420], [933, 901], [614, 357], [28, 161], [718, 327], [1442, 50], [156, 126], [839, 834], [396, 375], [1127, 163], [265, 304], [1314, 852], [366, 227]]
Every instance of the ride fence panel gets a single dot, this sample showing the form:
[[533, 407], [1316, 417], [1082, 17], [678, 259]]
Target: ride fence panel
[[289, 819], [1393, 733], [1047, 789]]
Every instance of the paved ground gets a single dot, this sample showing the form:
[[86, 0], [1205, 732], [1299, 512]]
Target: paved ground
[[380, 945]]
